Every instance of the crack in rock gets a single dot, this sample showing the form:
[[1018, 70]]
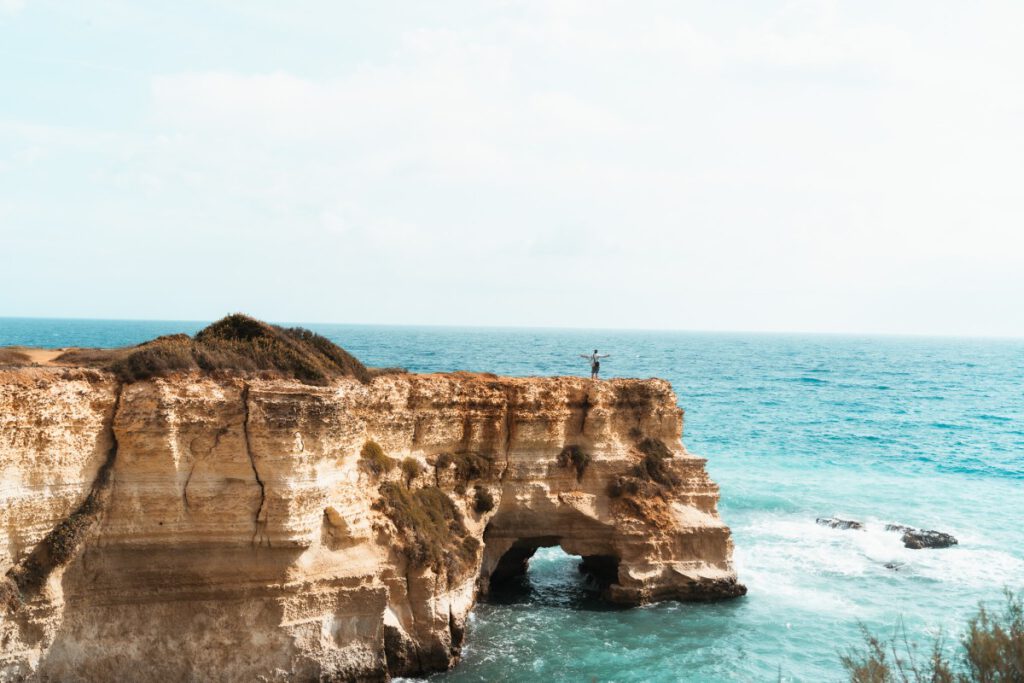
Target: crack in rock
[[260, 521]]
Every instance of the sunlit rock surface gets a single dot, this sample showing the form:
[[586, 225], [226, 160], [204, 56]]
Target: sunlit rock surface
[[192, 528]]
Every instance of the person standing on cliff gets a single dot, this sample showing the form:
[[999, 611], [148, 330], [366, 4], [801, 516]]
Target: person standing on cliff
[[595, 362]]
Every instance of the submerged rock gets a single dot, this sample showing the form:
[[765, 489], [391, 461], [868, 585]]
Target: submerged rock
[[837, 523], [918, 539]]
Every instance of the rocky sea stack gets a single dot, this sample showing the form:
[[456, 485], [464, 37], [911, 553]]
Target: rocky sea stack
[[253, 503]]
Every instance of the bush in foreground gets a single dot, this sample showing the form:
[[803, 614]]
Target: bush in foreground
[[991, 651]]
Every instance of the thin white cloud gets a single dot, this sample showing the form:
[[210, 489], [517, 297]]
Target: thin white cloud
[[801, 168]]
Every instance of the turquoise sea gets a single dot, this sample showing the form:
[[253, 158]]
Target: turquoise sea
[[922, 431]]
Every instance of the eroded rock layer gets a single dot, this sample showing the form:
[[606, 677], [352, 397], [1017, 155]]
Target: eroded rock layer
[[193, 528]]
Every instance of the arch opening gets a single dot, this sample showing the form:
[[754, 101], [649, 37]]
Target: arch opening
[[552, 576]]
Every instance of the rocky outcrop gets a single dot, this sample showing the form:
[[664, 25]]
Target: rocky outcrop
[[837, 523], [919, 539], [915, 539], [193, 527]]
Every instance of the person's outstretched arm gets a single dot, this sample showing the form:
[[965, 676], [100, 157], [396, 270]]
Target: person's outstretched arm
[[605, 355], [583, 355]]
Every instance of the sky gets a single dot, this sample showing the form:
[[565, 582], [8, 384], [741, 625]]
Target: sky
[[780, 166]]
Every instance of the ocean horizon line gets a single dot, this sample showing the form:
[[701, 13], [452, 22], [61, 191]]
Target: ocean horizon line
[[552, 328]]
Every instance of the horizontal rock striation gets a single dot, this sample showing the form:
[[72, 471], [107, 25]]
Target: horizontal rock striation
[[195, 528]]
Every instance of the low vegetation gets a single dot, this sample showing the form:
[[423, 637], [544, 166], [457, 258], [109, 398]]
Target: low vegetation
[[236, 344], [468, 467], [12, 357], [483, 500], [159, 357], [58, 547], [990, 651], [92, 357], [432, 529], [411, 468], [624, 486], [374, 459], [652, 476], [654, 466], [575, 457], [654, 448]]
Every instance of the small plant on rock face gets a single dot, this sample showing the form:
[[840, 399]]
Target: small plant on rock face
[[575, 457], [653, 467], [411, 468], [431, 527], [483, 500], [654, 448], [374, 459], [468, 466], [623, 486]]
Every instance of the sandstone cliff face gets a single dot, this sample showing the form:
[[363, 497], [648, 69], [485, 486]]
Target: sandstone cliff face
[[193, 528]]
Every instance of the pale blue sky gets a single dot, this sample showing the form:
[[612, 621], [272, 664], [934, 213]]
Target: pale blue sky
[[791, 166]]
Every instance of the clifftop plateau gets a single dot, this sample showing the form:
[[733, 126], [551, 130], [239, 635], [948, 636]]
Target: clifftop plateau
[[249, 523]]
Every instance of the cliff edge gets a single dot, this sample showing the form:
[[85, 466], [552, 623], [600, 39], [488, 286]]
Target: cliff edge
[[269, 529]]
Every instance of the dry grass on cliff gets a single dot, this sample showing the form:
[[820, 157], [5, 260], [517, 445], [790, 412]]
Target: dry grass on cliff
[[374, 459], [649, 478], [90, 357], [468, 467], [411, 468], [432, 529], [236, 344], [62, 543], [991, 651], [10, 356], [654, 467]]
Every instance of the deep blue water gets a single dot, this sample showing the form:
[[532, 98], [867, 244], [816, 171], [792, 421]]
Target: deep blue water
[[927, 432]]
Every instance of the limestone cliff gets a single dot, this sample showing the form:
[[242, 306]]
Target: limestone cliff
[[200, 528]]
